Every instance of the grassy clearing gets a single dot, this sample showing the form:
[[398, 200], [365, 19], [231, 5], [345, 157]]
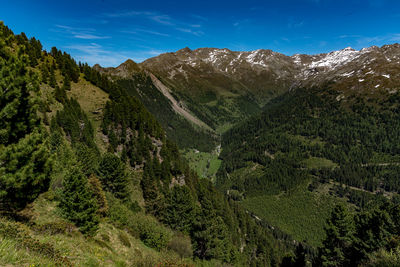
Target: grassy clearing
[[318, 163], [224, 127], [205, 164], [300, 213]]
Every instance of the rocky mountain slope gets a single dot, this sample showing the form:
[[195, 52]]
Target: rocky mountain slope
[[220, 87]]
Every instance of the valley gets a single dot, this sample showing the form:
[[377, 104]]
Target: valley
[[204, 157]]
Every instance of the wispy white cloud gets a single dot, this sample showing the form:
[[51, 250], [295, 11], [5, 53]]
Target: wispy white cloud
[[292, 24], [81, 33], [88, 36], [186, 30], [349, 36], [131, 13], [94, 53], [163, 19], [140, 31], [199, 17], [378, 40]]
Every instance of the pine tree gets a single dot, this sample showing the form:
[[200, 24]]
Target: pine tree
[[25, 162], [373, 230], [180, 209], [66, 83], [60, 95], [337, 243], [77, 203], [112, 174], [44, 73], [52, 79]]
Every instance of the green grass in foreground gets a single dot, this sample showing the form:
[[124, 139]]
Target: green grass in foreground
[[300, 213], [205, 164]]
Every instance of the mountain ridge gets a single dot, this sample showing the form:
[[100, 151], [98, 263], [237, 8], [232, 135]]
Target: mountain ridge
[[222, 87]]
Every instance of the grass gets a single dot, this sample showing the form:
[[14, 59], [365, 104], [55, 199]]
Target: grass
[[224, 127], [318, 163], [92, 100], [11, 255], [110, 247], [299, 213], [205, 164]]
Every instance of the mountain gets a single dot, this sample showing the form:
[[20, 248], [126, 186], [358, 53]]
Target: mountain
[[88, 176], [323, 130], [331, 141], [213, 89]]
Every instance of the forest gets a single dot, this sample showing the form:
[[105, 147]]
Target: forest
[[349, 147]]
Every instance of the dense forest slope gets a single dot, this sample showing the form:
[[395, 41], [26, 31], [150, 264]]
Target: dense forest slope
[[180, 124], [89, 178], [311, 149]]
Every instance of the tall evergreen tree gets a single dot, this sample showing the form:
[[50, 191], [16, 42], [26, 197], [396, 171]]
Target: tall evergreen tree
[[112, 174], [337, 243], [66, 83], [52, 79], [180, 209], [77, 203], [373, 230], [25, 163]]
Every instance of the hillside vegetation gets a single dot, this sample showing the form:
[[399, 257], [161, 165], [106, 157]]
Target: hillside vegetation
[[88, 177], [282, 169]]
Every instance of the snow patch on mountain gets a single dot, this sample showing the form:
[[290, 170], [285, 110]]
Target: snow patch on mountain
[[336, 58], [256, 58]]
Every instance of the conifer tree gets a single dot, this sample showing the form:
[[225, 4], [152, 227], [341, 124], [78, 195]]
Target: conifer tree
[[112, 174], [373, 231], [66, 83], [44, 74], [337, 243], [25, 162], [52, 79], [77, 203], [180, 209]]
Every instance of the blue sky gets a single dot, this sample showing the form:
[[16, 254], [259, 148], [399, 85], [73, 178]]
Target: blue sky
[[110, 31]]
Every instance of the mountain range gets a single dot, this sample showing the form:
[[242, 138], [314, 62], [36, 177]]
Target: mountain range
[[216, 88], [205, 157]]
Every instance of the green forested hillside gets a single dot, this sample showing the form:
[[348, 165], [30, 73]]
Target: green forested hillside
[[310, 148], [94, 181]]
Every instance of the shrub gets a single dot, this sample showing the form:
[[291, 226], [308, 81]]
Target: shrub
[[153, 234], [182, 245], [54, 228]]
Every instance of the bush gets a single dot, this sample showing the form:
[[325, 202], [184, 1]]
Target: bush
[[181, 245], [153, 234], [142, 226], [54, 228]]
